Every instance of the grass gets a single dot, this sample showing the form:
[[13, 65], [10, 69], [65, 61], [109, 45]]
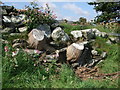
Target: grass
[[26, 75], [68, 27], [110, 64]]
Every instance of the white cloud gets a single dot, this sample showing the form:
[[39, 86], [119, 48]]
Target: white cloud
[[52, 6], [75, 9], [70, 18], [56, 10]]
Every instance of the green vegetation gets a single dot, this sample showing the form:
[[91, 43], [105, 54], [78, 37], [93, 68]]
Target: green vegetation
[[115, 28], [110, 10], [110, 64], [30, 76], [71, 27], [26, 75], [21, 70], [37, 15]]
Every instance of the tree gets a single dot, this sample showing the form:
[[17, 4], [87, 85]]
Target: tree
[[82, 20], [109, 10]]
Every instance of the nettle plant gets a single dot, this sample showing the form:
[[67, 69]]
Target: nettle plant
[[38, 15]]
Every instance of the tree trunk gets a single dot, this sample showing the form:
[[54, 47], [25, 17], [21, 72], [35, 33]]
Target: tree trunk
[[37, 40], [74, 51]]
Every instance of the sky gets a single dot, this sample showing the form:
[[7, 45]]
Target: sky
[[71, 11]]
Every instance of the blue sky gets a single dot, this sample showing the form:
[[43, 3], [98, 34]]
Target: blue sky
[[64, 10]]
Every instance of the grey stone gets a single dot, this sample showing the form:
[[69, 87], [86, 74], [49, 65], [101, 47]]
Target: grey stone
[[7, 19], [18, 19], [104, 35], [108, 42], [94, 52], [4, 12], [14, 19], [54, 25], [60, 36], [46, 29], [114, 39], [104, 54], [76, 34], [74, 65], [89, 33], [14, 34], [7, 30], [22, 29]]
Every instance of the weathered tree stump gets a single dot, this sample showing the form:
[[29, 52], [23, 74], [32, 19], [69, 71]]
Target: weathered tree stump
[[79, 53], [74, 51], [37, 40]]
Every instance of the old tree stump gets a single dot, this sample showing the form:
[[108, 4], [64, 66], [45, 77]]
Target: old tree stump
[[74, 51], [78, 53], [37, 40]]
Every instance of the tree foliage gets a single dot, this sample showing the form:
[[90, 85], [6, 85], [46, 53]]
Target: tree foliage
[[82, 20], [38, 15], [109, 10]]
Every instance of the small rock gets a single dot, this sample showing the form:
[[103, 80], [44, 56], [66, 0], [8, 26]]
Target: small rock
[[54, 25], [22, 29], [18, 19], [89, 33], [46, 29], [108, 42], [114, 39], [74, 65], [7, 30], [7, 19], [14, 34], [104, 35], [60, 36], [13, 20], [104, 54], [76, 34], [94, 52]]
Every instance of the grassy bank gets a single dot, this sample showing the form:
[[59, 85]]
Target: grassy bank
[[26, 75]]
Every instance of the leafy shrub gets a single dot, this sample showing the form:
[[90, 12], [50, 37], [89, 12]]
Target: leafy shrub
[[37, 15]]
